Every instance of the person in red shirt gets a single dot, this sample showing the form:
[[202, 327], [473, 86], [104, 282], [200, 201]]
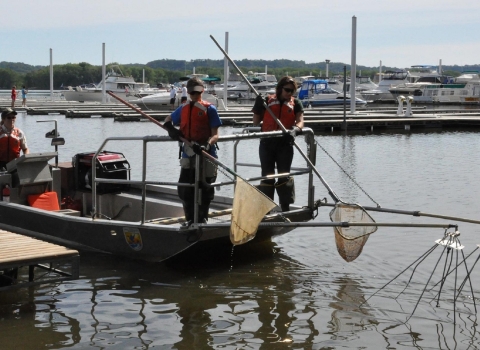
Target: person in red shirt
[[14, 95]]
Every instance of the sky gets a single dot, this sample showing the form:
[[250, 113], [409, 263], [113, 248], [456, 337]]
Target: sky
[[399, 34]]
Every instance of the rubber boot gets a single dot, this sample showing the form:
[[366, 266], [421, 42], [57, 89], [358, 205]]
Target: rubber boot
[[286, 193], [267, 188]]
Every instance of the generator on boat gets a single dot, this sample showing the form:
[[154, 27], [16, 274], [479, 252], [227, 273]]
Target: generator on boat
[[109, 165]]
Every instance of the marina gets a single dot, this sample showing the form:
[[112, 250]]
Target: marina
[[324, 119], [125, 206], [378, 246]]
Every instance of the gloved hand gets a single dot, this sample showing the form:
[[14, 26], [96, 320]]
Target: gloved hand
[[197, 148], [173, 132], [259, 101], [289, 137], [295, 131]]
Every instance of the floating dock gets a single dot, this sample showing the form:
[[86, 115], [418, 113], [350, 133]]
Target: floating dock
[[18, 252], [368, 118]]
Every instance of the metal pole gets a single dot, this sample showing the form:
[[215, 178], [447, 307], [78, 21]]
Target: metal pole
[[326, 72], [225, 73], [104, 91], [51, 75], [380, 72], [344, 125], [353, 69], [412, 213]]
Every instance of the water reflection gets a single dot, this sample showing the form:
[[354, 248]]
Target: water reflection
[[348, 318], [256, 298]]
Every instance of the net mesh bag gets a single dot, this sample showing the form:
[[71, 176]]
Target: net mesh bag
[[350, 240], [249, 208]]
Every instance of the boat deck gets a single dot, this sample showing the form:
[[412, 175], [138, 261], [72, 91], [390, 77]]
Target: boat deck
[[18, 252], [214, 216]]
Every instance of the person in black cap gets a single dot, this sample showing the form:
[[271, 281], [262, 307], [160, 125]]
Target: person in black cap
[[199, 122], [12, 139]]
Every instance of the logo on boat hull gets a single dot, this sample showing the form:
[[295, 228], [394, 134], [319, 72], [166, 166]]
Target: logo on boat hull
[[133, 238]]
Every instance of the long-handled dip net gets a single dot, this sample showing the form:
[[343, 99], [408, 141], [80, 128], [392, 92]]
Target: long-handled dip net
[[350, 241], [247, 217], [249, 206]]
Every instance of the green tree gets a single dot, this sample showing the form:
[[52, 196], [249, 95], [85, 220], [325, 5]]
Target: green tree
[[8, 78]]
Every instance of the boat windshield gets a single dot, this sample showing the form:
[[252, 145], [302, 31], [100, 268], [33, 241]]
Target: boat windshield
[[395, 75], [310, 88]]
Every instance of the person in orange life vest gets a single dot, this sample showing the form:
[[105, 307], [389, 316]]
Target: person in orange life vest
[[14, 95], [12, 139], [278, 151], [199, 122]]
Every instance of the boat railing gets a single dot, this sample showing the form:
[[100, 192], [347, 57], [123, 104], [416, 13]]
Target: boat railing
[[246, 134]]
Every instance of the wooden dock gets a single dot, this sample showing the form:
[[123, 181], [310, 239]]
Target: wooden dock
[[18, 252]]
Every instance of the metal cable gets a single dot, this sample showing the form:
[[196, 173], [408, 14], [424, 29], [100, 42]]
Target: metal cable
[[348, 175]]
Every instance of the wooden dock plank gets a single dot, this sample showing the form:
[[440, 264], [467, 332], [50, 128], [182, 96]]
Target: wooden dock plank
[[18, 252], [22, 249]]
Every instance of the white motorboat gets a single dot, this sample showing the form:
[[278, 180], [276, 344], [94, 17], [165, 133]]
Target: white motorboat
[[233, 80], [263, 83], [115, 81], [464, 90], [335, 83], [317, 92], [428, 75], [161, 100], [390, 79], [362, 84]]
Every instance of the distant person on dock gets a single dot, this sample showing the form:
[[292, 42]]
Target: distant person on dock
[[24, 96], [199, 122], [12, 139], [278, 151], [184, 94], [14, 95], [173, 97]]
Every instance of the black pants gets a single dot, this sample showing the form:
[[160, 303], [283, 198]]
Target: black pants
[[187, 195], [277, 152]]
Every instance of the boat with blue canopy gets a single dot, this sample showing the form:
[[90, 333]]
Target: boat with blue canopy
[[317, 92]]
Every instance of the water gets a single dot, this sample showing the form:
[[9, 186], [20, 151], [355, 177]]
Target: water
[[293, 292]]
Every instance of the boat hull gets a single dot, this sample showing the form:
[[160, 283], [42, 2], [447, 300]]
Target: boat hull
[[95, 96], [331, 102], [149, 242]]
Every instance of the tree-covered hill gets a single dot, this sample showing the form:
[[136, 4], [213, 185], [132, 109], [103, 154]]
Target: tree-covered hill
[[19, 67], [170, 70]]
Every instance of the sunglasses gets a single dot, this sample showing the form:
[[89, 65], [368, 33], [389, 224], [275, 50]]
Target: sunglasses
[[195, 93], [290, 91], [11, 118]]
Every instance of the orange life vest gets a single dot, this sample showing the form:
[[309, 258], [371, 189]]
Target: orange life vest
[[194, 122], [283, 111], [10, 145]]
